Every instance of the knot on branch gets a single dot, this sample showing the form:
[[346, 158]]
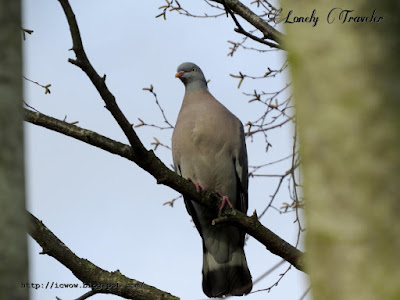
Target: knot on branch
[[254, 216], [220, 220], [162, 180]]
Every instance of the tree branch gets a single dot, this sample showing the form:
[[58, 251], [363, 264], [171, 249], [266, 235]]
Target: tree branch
[[164, 175], [100, 280], [81, 134], [240, 29], [267, 30], [83, 62]]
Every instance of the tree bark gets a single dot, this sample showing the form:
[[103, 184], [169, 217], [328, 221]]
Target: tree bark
[[99, 280], [13, 244], [347, 93]]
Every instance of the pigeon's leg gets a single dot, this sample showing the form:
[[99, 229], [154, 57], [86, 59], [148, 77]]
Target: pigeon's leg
[[225, 200], [199, 187]]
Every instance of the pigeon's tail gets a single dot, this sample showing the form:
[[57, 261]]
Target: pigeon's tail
[[230, 278]]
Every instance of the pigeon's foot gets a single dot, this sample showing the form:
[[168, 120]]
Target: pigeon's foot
[[225, 200], [199, 187]]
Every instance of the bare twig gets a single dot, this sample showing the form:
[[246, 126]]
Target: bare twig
[[266, 4], [268, 289], [46, 87], [273, 196], [268, 73], [297, 204], [305, 293], [143, 123], [265, 274], [255, 168], [174, 6], [151, 90], [265, 129], [241, 44], [271, 37], [157, 143], [87, 295], [25, 31], [31, 107], [275, 112], [171, 202]]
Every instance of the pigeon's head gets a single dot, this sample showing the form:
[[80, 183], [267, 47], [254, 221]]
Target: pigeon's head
[[191, 76]]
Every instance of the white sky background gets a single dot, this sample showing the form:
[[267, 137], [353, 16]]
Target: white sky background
[[105, 208]]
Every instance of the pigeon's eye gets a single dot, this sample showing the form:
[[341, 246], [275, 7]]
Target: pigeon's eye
[[194, 70]]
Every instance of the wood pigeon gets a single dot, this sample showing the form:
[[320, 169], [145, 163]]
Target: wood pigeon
[[208, 148]]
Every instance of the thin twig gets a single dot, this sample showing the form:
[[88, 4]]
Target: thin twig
[[87, 295], [157, 143], [268, 289], [31, 107], [46, 87], [169, 6], [151, 90], [171, 202], [24, 31], [265, 274], [305, 293]]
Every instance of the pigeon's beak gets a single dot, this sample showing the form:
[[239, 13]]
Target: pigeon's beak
[[179, 74]]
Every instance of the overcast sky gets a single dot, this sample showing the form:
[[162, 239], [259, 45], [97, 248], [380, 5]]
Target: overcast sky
[[105, 208]]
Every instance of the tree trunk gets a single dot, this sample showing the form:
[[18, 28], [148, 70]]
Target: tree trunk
[[347, 92], [13, 244]]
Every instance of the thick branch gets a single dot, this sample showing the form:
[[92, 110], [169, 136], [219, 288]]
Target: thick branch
[[167, 177], [84, 135], [100, 280], [267, 30], [83, 62]]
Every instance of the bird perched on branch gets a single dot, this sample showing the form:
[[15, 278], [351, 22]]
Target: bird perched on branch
[[209, 148]]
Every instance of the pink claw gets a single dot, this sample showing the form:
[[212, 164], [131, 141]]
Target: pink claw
[[225, 200], [199, 187]]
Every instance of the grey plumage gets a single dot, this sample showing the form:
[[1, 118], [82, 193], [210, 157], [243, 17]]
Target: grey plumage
[[208, 147]]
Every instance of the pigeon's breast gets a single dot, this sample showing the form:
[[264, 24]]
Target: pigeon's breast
[[203, 144], [207, 137]]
